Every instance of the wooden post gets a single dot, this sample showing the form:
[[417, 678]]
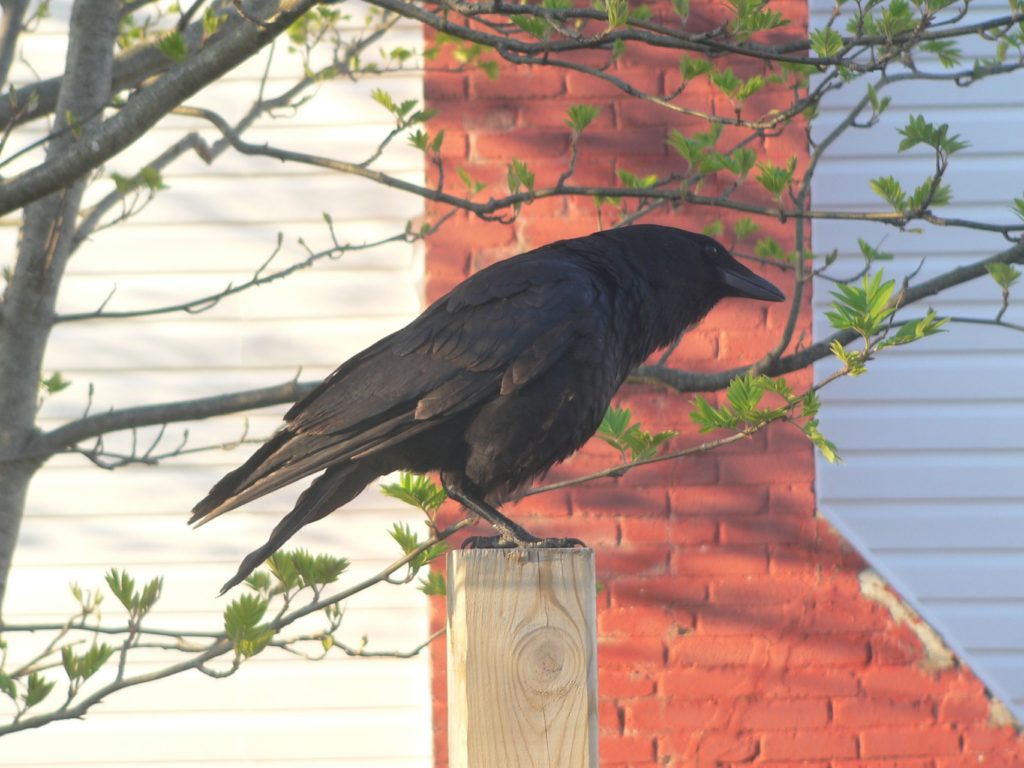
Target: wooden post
[[522, 658]]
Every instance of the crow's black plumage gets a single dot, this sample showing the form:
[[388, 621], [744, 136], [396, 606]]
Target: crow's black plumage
[[495, 382]]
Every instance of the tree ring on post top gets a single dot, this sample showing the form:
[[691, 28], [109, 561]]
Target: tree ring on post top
[[548, 664]]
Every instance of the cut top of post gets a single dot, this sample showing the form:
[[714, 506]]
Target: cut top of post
[[522, 658]]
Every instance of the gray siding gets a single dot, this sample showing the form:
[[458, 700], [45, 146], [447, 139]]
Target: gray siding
[[932, 487]]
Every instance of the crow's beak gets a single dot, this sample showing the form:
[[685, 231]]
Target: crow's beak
[[743, 283]]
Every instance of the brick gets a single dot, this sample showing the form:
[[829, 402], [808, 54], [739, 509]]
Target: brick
[[708, 560], [716, 651], [718, 500], [718, 748], [636, 621], [624, 683], [722, 683], [762, 620], [521, 144], [658, 714], [637, 530], [896, 646], [692, 531], [762, 530], [725, 590], [908, 742], [864, 711], [812, 745], [783, 714], [819, 681], [664, 590], [582, 85], [587, 501], [444, 86], [520, 83], [766, 468], [829, 650], [792, 499], [633, 559], [985, 744], [884, 763], [543, 113], [959, 707], [630, 652], [626, 749], [899, 683]]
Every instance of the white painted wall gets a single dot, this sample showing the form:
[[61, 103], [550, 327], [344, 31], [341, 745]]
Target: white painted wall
[[213, 226], [932, 488]]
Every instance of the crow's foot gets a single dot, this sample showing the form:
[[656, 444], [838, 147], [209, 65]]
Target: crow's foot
[[529, 542]]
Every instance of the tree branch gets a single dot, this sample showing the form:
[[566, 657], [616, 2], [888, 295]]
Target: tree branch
[[223, 52]]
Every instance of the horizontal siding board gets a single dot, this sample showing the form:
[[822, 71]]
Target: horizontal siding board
[[959, 426], [938, 532], [205, 344], [914, 378], [308, 294], [352, 736]]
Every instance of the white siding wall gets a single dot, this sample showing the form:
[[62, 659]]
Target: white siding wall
[[214, 226], [932, 487]]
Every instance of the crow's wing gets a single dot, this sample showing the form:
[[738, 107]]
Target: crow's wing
[[493, 334]]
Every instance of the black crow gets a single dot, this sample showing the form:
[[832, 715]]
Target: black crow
[[496, 381]]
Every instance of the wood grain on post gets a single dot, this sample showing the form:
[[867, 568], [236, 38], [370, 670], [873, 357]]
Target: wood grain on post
[[522, 658]]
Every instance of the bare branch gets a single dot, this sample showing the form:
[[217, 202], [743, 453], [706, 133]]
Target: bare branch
[[224, 51]]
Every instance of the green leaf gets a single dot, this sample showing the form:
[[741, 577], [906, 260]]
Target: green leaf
[[872, 254], [629, 438], [682, 8], [212, 21], [519, 176], [1018, 207], [947, 51], [1005, 275], [744, 228], [691, 68], [174, 47], [81, 667], [242, 624], [122, 585], [914, 330], [54, 383], [7, 686], [404, 537], [776, 179], [532, 25], [862, 308], [826, 42], [37, 688], [632, 181], [416, 490], [617, 11], [151, 178], [714, 229], [580, 116], [920, 131], [890, 190], [433, 584]]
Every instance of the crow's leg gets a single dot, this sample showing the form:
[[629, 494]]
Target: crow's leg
[[510, 534]]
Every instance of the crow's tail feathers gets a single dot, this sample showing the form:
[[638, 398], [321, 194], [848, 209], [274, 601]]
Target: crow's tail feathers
[[337, 486]]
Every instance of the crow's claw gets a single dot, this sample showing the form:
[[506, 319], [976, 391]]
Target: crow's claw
[[501, 542]]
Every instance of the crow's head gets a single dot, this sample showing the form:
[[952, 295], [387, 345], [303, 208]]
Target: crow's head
[[686, 274], [732, 277]]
